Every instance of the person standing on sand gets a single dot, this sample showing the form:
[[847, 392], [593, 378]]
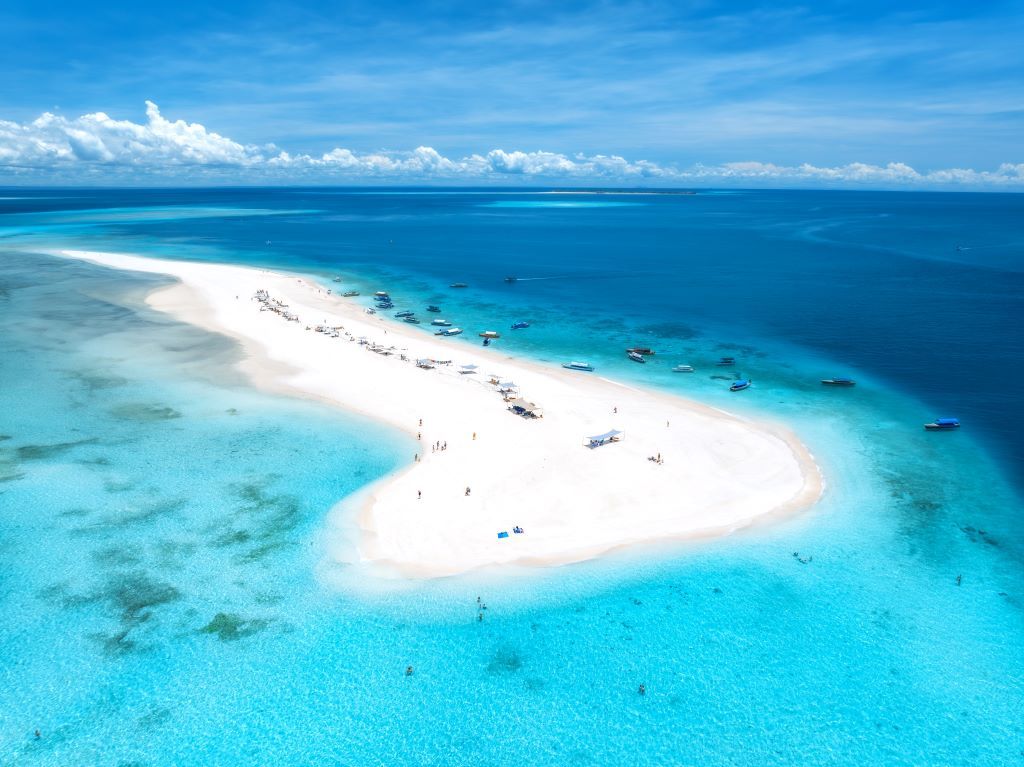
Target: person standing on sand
[[467, 490]]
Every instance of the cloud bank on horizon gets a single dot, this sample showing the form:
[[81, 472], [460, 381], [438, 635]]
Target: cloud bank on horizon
[[95, 147]]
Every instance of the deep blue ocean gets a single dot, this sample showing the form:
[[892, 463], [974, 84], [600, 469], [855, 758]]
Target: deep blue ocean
[[166, 596]]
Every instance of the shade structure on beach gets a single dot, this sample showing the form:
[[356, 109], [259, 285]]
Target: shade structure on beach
[[427, 364], [467, 368], [524, 407], [602, 439], [507, 385]]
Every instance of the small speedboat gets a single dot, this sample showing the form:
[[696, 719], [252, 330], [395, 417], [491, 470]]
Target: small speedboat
[[411, 320], [726, 361], [838, 382], [441, 323], [435, 309], [683, 369], [640, 350], [740, 385], [511, 279], [520, 325], [337, 279], [406, 313], [449, 332], [490, 334], [458, 285], [943, 424], [385, 305], [381, 295], [578, 366], [350, 293], [636, 356]]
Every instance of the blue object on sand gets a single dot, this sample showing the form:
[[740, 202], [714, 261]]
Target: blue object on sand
[[503, 534]]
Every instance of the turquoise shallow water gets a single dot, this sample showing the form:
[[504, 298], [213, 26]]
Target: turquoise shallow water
[[166, 598]]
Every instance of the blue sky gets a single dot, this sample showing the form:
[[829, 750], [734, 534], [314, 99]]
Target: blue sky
[[679, 93]]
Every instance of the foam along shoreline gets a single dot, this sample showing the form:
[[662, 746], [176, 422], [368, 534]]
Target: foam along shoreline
[[719, 473]]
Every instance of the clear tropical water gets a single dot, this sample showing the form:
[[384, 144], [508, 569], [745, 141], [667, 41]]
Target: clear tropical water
[[165, 597]]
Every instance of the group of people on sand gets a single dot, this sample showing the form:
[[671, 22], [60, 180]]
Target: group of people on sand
[[656, 459]]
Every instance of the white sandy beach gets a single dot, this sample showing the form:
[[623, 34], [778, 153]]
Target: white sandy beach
[[720, 472]]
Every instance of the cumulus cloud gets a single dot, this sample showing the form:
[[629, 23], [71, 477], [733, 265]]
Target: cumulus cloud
[[894, 173], [56, 146]]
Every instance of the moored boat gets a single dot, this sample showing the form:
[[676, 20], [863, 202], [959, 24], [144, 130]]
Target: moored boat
[[635, 356], [520, 325], [683, 369], [490, 334], [578, 366], [943, 424], [640, 350], [350, 293], [406, 313], [838, 382], [740, 385], [726, 361], [441, 323], [449, 332], [435, 309], [411, 320]]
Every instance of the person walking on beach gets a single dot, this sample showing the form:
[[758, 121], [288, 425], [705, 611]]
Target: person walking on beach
[[419, 494], [467, 490]]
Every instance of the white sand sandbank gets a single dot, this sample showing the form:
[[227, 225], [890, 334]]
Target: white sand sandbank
[[720, 472]]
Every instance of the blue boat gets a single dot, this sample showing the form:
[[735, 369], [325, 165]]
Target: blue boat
[[578, 366], [943, 424], [740, 385], [520, 325]]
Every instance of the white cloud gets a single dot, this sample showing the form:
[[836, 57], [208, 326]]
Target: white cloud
[[895, 173], [55, 146]]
